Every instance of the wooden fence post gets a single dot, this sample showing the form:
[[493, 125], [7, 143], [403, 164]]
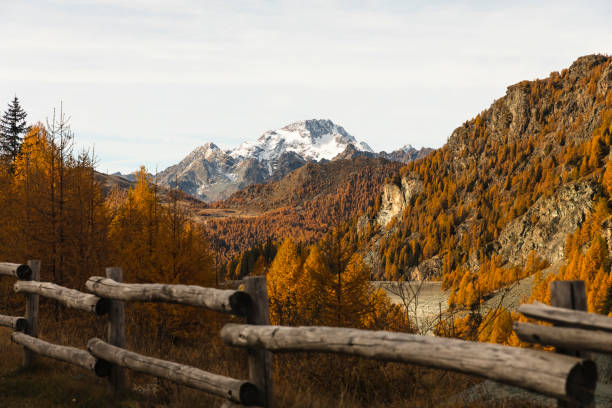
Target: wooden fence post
[[260, 361], [116, 331], [569, 295], [31, 313]]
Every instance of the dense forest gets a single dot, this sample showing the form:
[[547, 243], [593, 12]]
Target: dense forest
[[304, 205]]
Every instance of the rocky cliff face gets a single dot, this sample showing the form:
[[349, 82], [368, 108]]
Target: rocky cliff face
[[545, 226], [523, 112], [395, 198]]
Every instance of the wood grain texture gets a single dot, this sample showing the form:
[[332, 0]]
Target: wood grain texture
[[31, 313], [16, 323], [566, 317], [21, 272], [550, 374], [569, 295], [235, 390], [70, 355], [221, 300], [565, 337], [68, 297], [116, 332], [260, 360]]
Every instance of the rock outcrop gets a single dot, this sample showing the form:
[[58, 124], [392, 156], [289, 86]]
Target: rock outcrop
[[545, 226], [606, 232], [429, 269], [396, 197]]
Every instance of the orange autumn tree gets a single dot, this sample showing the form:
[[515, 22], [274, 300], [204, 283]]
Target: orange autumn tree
[[330, 287], [56, 207], [157, 243], [283, 280]]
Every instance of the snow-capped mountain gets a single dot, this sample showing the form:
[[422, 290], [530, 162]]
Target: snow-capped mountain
[[313, 140], [211, 173]]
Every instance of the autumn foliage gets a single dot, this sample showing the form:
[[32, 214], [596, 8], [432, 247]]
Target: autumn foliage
[[328, 285]]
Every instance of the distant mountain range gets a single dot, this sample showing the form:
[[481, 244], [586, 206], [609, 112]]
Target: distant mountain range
[[213, 174]]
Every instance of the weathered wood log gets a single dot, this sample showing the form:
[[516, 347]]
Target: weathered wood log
[[547, 373], [567, 317], [260, 361], [19, 324], [569, 295], [565, 337], [70, 355], [68, 297], [31, 313], [232, 389], [21, 272], [116, 332], [221, 300]]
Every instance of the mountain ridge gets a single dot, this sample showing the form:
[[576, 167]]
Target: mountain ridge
[[211, 173]]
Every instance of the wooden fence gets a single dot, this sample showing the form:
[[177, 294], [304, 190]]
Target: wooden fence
[[568, 375]]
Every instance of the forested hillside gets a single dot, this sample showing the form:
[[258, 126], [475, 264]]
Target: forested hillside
[[497, 202], [303, 206]]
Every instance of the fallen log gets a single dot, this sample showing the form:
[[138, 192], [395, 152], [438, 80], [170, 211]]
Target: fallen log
[[70, 355], [16, 323], [565, 337], [558, 376], [566, 317], [239, 391], [221, 300], [68, 297], [21, 272]]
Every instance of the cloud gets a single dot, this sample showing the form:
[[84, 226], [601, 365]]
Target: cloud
[[175, 74]]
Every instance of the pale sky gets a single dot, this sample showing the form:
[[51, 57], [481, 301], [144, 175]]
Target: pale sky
[[146, 81]]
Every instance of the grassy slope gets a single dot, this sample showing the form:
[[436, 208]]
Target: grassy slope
[[49, 384]]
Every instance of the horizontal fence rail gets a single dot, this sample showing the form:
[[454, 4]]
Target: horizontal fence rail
[[568, 378], [16, 323], [235, 390], [70, 355], [558, 376], [220, 300], [68, 297], [565, 337], [19, 271], [566, 317]]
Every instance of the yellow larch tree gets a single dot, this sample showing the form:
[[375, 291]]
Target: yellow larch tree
[[283, 280]]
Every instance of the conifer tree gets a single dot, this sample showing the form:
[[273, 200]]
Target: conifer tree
[[283, 284], [12, 128]]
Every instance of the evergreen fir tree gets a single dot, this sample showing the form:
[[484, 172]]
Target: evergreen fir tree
[[12, 128]]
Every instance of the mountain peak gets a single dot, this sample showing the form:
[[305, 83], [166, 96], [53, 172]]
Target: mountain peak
[[212, 173], [313, 139], [317, 128], [586, 62]]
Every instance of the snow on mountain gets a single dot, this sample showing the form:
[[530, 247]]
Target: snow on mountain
[[211, 173], [310, 139]]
